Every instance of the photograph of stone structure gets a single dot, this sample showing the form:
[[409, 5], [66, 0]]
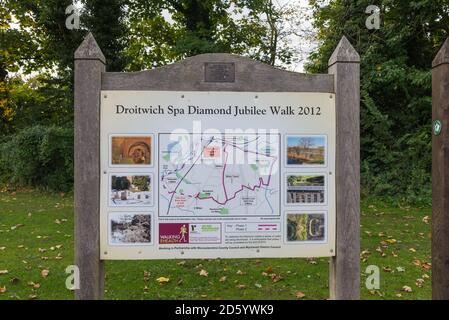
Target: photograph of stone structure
[[131, 150], [306, 150], [305, 189]]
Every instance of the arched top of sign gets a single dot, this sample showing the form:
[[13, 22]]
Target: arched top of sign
[[219, 72]]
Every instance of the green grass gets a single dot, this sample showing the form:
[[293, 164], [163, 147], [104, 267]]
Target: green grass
[[31, 222]]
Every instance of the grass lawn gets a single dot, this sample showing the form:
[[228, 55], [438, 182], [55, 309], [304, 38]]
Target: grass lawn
[[36, 237]]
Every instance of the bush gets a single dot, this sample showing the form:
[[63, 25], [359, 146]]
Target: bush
[[39, 156]]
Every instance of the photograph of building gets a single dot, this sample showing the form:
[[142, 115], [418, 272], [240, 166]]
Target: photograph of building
[[132, 150], [131, 191], [305, 189], [306, 150]]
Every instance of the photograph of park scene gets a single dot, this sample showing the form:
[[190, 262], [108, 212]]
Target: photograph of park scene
[[305, 227], [128, 228], [131, 191], [131, 150], [306, 150], [305, 189]]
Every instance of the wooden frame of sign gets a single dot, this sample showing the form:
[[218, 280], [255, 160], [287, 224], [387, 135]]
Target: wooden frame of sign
[[217, 72]]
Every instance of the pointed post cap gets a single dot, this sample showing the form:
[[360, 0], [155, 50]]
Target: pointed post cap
[[89, 50], [344, 52], [442, 56]]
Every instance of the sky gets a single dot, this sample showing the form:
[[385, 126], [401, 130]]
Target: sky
[[293, 141]]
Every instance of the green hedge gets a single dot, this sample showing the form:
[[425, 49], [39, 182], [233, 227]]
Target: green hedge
[[39, 156]]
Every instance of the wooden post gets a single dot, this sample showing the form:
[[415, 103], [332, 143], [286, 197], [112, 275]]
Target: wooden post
[[440, 174], [344, 280], [89, 66]]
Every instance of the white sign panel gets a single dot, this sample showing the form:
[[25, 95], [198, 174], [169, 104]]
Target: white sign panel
[[217, 175]]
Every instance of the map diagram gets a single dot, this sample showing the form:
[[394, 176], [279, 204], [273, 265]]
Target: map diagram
[[221, 175]]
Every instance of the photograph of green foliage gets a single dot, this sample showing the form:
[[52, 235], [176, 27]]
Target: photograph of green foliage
[[305, 227]]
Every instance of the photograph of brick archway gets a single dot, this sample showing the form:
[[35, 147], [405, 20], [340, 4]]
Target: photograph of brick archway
[[133, 150]]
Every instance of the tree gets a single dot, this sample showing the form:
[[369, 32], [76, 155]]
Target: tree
[[106, 20], [395, 86], [120, 183], [164, 31]]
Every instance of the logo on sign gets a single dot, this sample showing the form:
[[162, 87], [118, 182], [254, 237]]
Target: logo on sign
[[437, 126], [170, 233]]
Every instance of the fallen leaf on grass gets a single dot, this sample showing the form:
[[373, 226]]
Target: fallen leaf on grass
[[400, 269], [269, 269], [240, 272], [3, 272], [407, 289], [299, 295], [365, 252], [258, 285], [34, 285], [204, 273], [427, 265], [412, 250], [241, 286], [32, 297], [45, 273], [3, 289], [162, 280], [419, 282], [181, 263], [425, 219], [222, 279], [2, 248]]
